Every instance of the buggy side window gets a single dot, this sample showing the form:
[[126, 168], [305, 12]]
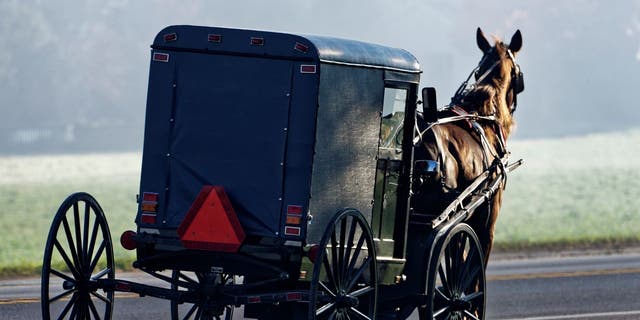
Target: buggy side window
[[391, 125]]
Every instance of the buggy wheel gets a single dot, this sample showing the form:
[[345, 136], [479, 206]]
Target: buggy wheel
[[77, 254], [196, 282], [456, 285], [345, 282]]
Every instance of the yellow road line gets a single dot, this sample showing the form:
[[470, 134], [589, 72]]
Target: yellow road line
[[568, 274], [37, 300]]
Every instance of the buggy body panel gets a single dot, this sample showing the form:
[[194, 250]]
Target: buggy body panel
[[280, 121]]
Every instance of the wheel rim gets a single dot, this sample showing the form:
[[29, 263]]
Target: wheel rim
[[457, 290], [194, 282], [78, 252], [344, 283]]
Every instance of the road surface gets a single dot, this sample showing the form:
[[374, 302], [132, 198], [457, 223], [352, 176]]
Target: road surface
[[593, 287]]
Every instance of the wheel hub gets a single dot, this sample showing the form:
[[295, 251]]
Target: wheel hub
[[346, 301], [458, 304]]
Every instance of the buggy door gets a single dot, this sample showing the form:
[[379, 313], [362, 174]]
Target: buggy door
[[389, 210]]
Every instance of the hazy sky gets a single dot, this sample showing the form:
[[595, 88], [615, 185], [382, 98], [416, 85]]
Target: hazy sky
[[66, 63]]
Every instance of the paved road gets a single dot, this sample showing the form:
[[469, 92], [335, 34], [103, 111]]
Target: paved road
[[596, 287]]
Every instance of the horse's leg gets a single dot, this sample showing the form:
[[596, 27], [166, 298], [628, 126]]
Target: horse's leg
[[483, 223]]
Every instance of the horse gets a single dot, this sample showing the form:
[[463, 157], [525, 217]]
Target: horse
[[461, 151]]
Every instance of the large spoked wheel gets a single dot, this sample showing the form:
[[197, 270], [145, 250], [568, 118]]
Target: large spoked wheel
[[199, 284], [345, 281], [456, 280], [78, 252]]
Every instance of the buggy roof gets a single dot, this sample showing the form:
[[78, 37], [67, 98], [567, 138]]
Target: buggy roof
[[285, 46]]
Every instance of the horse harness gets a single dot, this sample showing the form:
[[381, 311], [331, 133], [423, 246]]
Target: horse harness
[[455, 113]]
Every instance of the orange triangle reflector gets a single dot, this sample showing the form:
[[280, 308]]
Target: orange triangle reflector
[[211, 223]]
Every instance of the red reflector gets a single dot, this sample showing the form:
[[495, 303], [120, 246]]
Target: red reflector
[[301, 47], [211, 223], [170, 37], [148, 218], [294, 296], [121, 286], [253, 299], [294, 210], [291, 231], [308, 68], [162, 57], [257, 41], [214, 38], [127, 241], [313, 253], [150, 196]]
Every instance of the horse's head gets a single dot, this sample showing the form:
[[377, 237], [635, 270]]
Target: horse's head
[[498, 78]]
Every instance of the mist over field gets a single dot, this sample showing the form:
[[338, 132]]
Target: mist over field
[[74, 74]]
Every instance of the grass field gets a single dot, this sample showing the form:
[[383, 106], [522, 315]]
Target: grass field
[[581, 191]]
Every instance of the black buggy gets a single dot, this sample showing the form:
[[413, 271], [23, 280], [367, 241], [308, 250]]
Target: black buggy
[[276, 181]]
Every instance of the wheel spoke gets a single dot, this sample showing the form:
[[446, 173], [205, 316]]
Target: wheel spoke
[[340, 268], [440, 312], [79, 249], [454, 255], [187, 278], [334, 260], [71, 244], [361, 291], [94, 234], [356, 255], [92, 307], [325, 308], [70, 304], [66, 259], [101, 274], [101, 297], [474, 296], [329, 271], [443, 279], [358, 314], [471, 315], [326, 289], [469, 280], [74, 309], [447, 270], [191, 311], [62, 295], [198, 314], [358, 274], [95, 260], [349, 244], [442, 296], [468, 276], [61, 275], [85, 239]]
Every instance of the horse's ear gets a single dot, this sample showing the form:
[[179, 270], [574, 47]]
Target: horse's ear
[[516, 42], [482, 41]]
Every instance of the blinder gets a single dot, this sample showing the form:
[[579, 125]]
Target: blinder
[[517, 80]]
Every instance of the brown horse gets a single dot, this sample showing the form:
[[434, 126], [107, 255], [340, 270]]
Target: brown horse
[[458, 147]]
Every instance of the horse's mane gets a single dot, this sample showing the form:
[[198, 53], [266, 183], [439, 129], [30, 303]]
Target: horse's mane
[[490, 97]]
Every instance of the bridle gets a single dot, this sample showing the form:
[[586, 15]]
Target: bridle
[[516, 85]]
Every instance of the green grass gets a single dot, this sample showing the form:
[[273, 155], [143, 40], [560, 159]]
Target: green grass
[[32, 188], [575, 191]]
